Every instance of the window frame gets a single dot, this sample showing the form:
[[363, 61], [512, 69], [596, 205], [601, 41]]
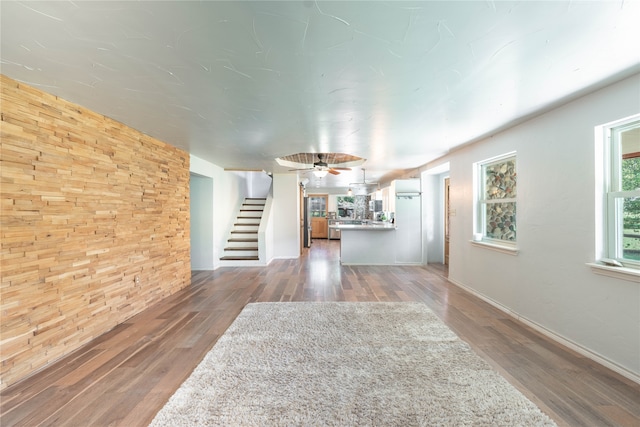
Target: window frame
[[613, 195], [481, 202]]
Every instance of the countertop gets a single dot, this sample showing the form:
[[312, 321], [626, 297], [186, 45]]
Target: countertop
[[373, 225]]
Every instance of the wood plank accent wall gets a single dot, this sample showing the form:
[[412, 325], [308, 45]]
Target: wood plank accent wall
[[87, 206]]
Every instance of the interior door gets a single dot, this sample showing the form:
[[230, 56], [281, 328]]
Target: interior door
[[318, 212]]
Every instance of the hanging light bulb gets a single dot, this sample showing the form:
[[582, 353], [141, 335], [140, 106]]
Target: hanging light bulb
[[320, 173], [349, 193]]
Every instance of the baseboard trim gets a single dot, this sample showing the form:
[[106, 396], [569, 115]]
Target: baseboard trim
[[552, 335]]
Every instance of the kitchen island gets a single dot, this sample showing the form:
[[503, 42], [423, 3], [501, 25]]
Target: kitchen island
[[367, 243]]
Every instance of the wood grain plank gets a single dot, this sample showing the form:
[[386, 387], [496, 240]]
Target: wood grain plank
[[79, 216], [125, 376]]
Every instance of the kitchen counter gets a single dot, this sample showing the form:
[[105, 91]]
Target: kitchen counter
[[365, 226], [367, 243]]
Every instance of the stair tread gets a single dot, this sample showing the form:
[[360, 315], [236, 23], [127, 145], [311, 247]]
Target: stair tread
[[246, 208], [234, 248]]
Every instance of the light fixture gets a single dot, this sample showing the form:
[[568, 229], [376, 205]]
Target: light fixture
[[349, 193], [320, 173]]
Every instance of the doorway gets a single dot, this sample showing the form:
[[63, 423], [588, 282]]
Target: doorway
[[447, 214], [302, 217]]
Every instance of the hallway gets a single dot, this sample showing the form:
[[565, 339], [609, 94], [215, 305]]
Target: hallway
[[126, 375]]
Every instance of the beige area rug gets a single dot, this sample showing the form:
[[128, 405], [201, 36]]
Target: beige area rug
[[345, 364]]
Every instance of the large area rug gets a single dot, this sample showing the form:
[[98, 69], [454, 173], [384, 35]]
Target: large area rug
[[345, 364]]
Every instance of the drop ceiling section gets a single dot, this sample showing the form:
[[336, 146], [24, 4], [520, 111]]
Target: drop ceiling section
[[241, 83]]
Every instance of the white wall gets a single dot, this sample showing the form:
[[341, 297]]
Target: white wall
[[548, 283], [332, 203], [433, 216], [258, 184], [229, 190], [201, 219], [286, 208], [266, 229]]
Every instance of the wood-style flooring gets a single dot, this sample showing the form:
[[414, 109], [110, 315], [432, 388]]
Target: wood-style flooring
[[125, 376]]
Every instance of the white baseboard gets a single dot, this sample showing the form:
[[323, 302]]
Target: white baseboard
[[552, 335], [202, 267]]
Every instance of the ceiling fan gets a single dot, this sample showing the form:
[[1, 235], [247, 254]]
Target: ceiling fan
[[322, 168]]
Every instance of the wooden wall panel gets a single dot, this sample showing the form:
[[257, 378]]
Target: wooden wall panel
[[87, 205]]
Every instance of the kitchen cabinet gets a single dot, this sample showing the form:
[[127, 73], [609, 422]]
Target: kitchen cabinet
[[389, 197], [319, 228]]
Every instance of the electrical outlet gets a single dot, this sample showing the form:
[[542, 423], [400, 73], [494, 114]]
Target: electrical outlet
[[136, 279]]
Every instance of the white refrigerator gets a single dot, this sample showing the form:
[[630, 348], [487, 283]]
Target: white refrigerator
[[408, 220]]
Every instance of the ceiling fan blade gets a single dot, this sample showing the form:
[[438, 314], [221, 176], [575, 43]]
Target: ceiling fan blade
[[333, 172], [306, 169], [341, 169]]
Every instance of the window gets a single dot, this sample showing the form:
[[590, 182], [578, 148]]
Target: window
[[496, 189], [622, 201], [346, 206]]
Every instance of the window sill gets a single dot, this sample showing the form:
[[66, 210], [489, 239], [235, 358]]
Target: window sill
[[624, 273], [498, 248]]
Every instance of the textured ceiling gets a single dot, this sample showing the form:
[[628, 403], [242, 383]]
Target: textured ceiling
[[397, 83]]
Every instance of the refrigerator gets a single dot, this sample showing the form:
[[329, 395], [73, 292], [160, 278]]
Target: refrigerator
[[408, 220], [306, 223]]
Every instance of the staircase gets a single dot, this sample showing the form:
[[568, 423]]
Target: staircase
[[243, 241]]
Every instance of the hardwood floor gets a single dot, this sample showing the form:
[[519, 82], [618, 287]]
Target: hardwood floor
[[125, 376]]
